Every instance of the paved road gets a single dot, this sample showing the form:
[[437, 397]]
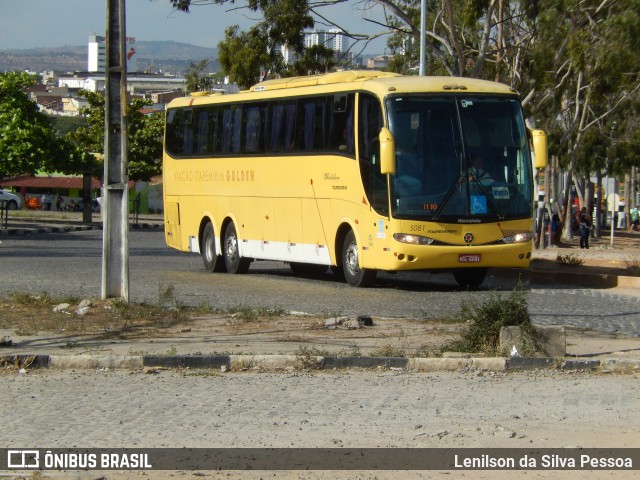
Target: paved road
[[299, 409], [65, 264]]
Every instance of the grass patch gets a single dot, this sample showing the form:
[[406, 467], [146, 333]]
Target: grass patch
[[485, 319], [249, 314], [569, 259], [388, 350], [112, 318]]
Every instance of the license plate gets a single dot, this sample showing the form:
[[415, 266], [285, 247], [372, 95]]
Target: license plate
[[469, 258]]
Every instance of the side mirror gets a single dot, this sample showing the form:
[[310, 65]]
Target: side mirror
[[540, 149], [387, 152]]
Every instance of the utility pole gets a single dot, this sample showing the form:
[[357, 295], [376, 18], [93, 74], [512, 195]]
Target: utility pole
[[115, 247]]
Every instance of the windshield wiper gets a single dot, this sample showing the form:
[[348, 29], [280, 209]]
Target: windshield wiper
[[449, 194], [461, 179]]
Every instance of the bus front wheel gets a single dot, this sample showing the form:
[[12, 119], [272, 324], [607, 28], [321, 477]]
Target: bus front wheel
[[353, 274], [212, 261], [470, 277], [231, 253]]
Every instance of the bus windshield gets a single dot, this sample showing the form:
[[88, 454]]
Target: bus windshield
[[459, 159]]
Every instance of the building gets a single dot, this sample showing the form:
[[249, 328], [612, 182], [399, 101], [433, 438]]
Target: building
[[338, 40], [96, 59], [137, 84], [288, 55], [380, 61], [334, 39]]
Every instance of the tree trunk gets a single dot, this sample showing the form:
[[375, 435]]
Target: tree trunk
[[598, 209], [566, 202], [634, 187], [627, 200]]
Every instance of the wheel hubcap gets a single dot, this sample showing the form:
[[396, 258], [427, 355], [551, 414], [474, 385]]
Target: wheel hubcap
[[231, 248], [351, 259], [208, 249]]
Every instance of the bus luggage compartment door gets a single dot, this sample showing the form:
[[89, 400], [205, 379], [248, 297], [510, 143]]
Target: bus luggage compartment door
[[172, 225]]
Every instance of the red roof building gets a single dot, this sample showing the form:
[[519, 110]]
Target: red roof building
[[30, 182]]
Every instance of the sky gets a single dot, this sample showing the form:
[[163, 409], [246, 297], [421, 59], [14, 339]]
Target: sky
[[55, 23]]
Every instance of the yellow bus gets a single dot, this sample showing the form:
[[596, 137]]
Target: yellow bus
[[359, 171]]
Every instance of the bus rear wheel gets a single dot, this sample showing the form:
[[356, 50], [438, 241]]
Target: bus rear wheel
[[212, 261], [231, 253], [470, 277], [353, 274]]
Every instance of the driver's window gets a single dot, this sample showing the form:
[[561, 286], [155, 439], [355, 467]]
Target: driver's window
[[370, 124]]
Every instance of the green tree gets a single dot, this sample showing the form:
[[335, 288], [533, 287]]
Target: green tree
[[247, 57], [476, 38], [315, 60], [197, 77], [244, 56], [28, 140], [585, 67], [144, 135]]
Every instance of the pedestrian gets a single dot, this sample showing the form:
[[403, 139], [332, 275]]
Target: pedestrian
[[59, 203], [635, 218], [556, 227], [584, 220], [43, 201]]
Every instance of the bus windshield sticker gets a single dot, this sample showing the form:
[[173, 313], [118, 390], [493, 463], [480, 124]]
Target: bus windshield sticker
[[478, 204], [380, 233], [466, 103], [501, 193]]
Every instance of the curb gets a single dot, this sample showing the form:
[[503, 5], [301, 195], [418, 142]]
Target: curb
[[71, 228], [288, 362], [596, 281]]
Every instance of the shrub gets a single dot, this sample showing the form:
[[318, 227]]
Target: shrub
[[486, 318]]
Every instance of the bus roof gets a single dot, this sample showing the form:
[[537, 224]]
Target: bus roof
[[379, 83]]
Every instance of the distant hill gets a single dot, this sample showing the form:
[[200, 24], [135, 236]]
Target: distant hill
[[150, 56]]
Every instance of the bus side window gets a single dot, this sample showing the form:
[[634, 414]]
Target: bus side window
[[201, 130], [187, 132], [173, 139], [213, 131], [312, 120], [231, 128], [237, 130], [255, 123], [282, 120], [341, 124]]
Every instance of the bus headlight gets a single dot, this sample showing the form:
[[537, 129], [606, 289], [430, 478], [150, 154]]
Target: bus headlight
[[413, 239], [518, 238]]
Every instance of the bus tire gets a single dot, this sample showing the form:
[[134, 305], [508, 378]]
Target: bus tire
[[353, 274], [231, 252], [470, 277], [212, 261]]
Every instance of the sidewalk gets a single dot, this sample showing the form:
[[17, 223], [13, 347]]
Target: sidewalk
[[33, 222], [301, 344]]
